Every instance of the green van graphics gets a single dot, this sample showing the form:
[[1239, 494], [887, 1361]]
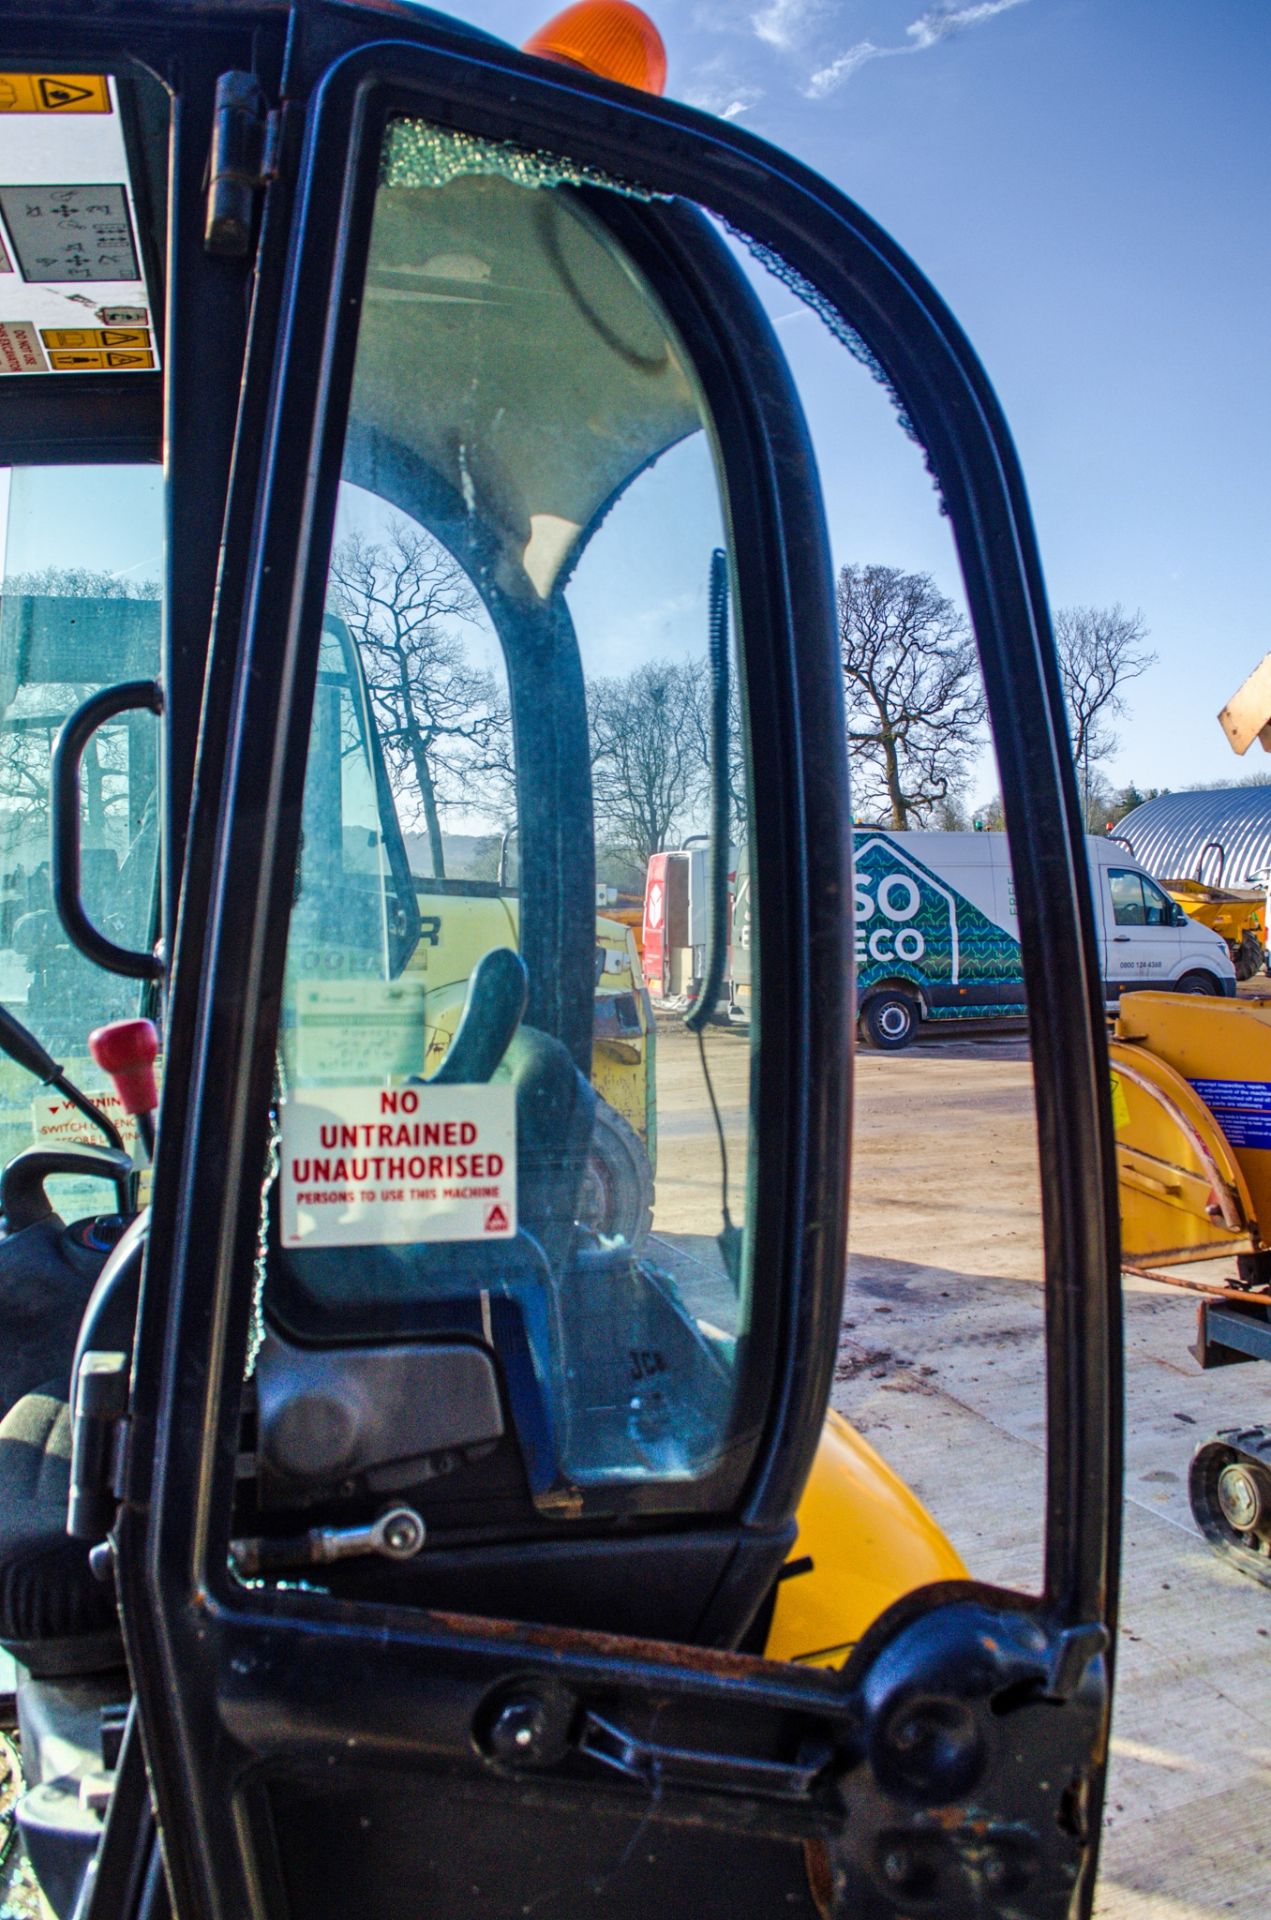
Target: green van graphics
[[912, 925]]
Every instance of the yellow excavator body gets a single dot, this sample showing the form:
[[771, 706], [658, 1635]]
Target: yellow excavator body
[[864, 1540], [1191, 1089]]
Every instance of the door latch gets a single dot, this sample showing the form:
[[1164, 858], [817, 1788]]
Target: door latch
[[398, 1534]]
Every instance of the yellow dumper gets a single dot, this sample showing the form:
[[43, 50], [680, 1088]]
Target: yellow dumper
[[1191, 1091], [1237, 913]]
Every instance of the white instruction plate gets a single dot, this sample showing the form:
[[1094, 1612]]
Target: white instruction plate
[[341, 1025], [393, 1166]]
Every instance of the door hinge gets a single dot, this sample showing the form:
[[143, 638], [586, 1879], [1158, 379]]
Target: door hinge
[[240, 164]]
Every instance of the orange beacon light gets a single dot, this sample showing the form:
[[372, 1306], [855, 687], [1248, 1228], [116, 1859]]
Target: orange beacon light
[[611, 38]]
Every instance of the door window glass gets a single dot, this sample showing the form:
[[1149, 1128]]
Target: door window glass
[[79, 610], [1158, 908], [1127, 899], [493, 1118]]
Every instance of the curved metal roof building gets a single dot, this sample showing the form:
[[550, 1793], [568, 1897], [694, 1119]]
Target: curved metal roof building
[[1180, 835]]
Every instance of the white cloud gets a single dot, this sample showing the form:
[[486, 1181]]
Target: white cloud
[[716, 88], [928, 30], [826, 79], [783, 23], [727, 102], [940, 23]]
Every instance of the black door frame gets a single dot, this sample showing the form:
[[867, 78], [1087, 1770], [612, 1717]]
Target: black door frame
[[167, 1544]]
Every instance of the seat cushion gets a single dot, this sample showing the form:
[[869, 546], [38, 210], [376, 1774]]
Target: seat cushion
[[55, 1616], [46, 1276]]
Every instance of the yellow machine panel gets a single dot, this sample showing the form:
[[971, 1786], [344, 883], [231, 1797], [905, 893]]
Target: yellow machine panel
[[869, 1539], [1192, 1105]]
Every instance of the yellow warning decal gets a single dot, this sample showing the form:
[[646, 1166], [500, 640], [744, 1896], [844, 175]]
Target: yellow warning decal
[[129, 359], [54, 93], [1120, 1105], [64, 338], [76, 362]]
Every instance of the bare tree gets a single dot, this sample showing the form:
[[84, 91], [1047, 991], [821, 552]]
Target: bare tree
[[78, 583], [444, 723], [914, 703], [1100, 649], [647, 754], [74, 663], [699, 714]]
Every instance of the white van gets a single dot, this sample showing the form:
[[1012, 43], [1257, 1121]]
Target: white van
[[937, 936]]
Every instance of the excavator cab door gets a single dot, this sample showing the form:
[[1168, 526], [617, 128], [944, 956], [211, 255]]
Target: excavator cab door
[[447, 1526]]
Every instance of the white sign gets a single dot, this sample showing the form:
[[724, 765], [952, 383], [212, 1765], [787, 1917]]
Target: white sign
[[392, 1166], [57, 1121]]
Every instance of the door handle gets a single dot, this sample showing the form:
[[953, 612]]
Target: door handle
[[132, 696], [1117, 937]]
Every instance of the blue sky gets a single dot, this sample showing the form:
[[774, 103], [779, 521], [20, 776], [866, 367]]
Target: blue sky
[[1087, 182]]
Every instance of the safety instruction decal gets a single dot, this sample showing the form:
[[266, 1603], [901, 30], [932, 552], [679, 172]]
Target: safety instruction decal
[[54, 93], [1242, 1109], [1120, 1105], [395, 1166], [73, 232], [341, 1024]]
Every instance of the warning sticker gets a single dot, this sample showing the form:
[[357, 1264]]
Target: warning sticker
[[1120, 1105], [20, 349], [95, 336], [1242, 1109], [54, 93], [70, 233], [392, 1166], [57, 1121], [122, 316], [77, 362]]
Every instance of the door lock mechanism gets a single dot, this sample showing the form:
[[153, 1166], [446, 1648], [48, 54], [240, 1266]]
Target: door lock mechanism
[[398, 1534]]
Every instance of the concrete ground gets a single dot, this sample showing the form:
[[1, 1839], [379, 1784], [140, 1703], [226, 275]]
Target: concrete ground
[[941, 1365]]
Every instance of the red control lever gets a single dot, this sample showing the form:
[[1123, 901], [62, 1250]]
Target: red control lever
[[127, 1050]]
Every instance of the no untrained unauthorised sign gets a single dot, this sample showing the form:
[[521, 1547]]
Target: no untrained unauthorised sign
[[392, 1166]]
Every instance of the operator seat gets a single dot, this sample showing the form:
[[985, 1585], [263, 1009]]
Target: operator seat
[[56, 1617]]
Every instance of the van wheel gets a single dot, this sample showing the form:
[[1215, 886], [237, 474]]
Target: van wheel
[[617, 1190], [1198, 983], [889, 1021]]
